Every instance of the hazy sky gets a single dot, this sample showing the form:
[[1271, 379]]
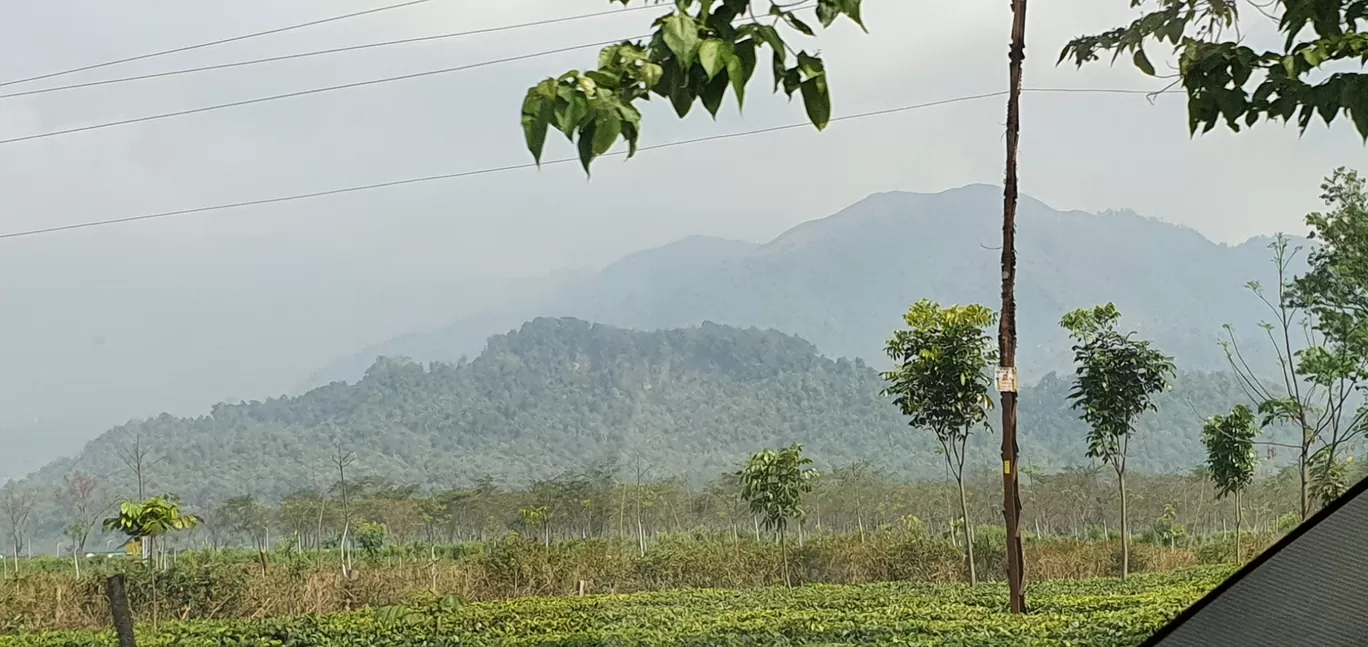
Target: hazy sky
[[174, 314]]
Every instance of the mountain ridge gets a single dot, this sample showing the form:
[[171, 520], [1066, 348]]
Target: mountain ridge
[[843, 281], [562, 394]]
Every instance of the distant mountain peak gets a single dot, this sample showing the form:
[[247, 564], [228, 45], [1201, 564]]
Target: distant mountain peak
[[843, 281]]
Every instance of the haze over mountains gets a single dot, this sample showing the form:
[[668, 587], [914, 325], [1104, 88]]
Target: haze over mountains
[[841, 282], [565, 395]]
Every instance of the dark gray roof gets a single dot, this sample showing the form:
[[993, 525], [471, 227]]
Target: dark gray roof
[[1309, 589]]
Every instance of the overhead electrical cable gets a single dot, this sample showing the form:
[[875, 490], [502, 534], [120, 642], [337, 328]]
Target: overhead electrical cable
[[321, 52], [221, 41], [300, 93], [565, 160]]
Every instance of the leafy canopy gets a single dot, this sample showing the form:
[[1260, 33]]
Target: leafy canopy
[[774, 482], [155, 517], [1334, 291], [1116, 379], [1335, 287], [1229, 441], [939, 379], [696, 53], [1227, 80]]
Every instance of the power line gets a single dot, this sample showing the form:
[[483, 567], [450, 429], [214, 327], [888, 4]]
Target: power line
[[565, 160], [299, 93], [221, 41], [321, 52]]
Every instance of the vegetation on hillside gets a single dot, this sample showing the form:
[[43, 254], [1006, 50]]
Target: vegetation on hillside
[[562, 395]]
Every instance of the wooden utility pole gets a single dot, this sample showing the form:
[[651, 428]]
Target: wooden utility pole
[[1007, 373]]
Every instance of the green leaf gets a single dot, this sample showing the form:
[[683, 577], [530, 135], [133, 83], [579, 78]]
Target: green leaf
[[682, 98], [817, 101], [571, 110], [607, 127], [1313, 56], [740, 68], [827, 12], [713, 93], [778, 70], [771, 37], [608, 56], [795, 23], [811, 66], [792, 80], [714, 55], [631, 133], [650, 74], [1359, 112], [852, 9], [681, 36], [536, 117], [586, 146], [1142, 61], [604, 79]]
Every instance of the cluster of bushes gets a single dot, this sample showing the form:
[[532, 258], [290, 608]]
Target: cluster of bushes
[[1102, 613], [230, 585]]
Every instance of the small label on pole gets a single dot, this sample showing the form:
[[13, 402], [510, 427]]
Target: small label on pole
[[1007, 467], [1006, 379]]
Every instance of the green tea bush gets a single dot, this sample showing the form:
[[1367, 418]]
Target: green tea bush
[[1108, 613]]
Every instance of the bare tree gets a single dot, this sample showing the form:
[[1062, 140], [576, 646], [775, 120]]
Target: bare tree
[[139, 460], [16, 504], [343, 459], [85, 506]]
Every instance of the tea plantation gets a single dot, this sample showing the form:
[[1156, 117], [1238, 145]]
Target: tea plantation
[[1098, 613]]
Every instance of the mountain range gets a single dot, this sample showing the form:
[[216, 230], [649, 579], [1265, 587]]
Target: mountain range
[[564, 395], [115, 338], [844, 281]]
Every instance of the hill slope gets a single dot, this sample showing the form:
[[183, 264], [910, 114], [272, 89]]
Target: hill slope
[[563, 394], [844, 281]]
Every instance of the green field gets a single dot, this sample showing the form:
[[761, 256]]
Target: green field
[[1097, 613]]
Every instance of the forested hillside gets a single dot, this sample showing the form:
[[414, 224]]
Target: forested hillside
[[562, 394], [842, 282]]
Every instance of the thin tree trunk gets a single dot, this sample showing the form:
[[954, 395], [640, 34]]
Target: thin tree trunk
[[1125, 527], [1238, 555], [968, 539], [783, 555], [1303, 466]]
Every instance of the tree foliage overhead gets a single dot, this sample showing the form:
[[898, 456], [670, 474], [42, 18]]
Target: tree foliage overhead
[[696, 53], [1230, 81]]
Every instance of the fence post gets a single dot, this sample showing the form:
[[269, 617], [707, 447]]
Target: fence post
[[118, 607]]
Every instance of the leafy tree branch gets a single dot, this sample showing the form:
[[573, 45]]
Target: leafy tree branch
[[696, 54], [1230, 82]]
